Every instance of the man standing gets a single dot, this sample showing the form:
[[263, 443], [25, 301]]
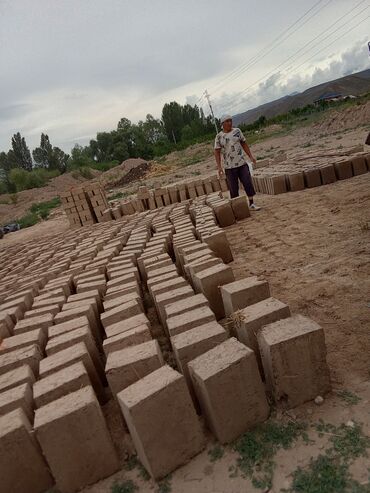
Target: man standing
[[231, 143]]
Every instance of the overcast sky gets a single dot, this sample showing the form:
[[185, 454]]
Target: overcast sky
[[70, 68]]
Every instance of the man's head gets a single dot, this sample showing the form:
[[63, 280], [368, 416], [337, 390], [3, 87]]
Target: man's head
[[226, 122]]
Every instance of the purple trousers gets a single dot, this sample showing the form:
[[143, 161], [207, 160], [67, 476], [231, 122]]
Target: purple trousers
[[241, 173]]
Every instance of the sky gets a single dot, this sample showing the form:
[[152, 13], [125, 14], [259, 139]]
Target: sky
[[71, 68]]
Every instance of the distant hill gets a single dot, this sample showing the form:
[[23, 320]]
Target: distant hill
[[354, 84]]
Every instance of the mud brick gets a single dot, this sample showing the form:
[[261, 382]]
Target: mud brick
[[18, 376], [25, 297], [223, 184], [84, 310], [38, 312], [82, 334], [126, 366], [42, 322], [254, 317], [14, 312], [168, 297], [161, 271], [22, 466], [219, 244], [185, 305], [277, 184], [207, 184], [240, 207], [230, 390], [60, 383], [295, 181], [6, 325], [17, 397], [174, 194], [359, 165], [327, 173], [190, 319], [202, 264], [191, 192], [224, 214], [18, 304], [67, 326], [89, 286], [294, 347], [56, 300], [75, 440], [209, 281], [312, 177], [242, 293], [119, 313], [343, 169], [128, 338], [174, 434], [162, 287], [130, 287], [29, 355], [127, 324], [158, 265], [121, 300], [37, 336], [93, 294], [69, 356], [194, 342]]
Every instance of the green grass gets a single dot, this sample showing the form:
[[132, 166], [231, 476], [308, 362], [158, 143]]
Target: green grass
[[216, 453], [28, 220], [43, 208], [257, 448], [124, 487], [117, 195], [164, 486], [329, 472], [348, 397]]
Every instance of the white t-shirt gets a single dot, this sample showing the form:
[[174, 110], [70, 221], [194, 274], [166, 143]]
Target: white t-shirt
[[231, 149]]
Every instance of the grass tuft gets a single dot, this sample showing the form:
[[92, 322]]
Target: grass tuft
[[124, 487], [216, 453], [350, 398]]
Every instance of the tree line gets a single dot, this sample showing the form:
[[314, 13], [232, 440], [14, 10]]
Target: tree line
[[179, 126]]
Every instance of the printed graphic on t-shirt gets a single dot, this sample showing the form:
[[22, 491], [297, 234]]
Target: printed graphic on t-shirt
[[231, 149]]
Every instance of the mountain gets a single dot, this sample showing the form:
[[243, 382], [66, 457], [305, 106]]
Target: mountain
[[354, 84]]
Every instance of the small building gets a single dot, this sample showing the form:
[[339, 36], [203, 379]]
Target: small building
[[328, 97]]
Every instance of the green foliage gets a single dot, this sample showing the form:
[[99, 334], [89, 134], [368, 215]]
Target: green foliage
[[127, 486], [49, 157], [43, 208], [14, 198], [165, 485], [216, 453], [21, 154], [257, 448], [30, 219], [86, 173], [330, 473], [24, 180], [117, 195], [348, 397]]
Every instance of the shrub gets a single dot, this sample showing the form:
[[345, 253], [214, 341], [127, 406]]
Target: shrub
[[43, 208], [24, 180], [86, 173], [28, 220], [14, 198]]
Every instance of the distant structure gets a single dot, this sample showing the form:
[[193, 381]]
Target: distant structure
[[332, 97]]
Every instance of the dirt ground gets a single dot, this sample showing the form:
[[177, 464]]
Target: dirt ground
[[314, 250], [313, 247]]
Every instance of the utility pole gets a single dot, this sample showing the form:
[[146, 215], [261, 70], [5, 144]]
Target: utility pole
[[207, 96]]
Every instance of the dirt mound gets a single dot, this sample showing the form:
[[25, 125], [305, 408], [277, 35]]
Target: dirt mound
[[337, 121], [134, 174], [113, 176]]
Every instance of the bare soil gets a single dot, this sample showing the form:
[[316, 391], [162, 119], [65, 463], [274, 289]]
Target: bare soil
[[314, 249]]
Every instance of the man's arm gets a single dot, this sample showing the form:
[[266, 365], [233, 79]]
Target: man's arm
[[247, 150], [218, 161]]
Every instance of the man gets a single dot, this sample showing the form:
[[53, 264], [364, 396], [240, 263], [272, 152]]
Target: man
[[231, 143]]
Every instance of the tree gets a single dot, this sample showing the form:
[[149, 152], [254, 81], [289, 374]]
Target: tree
[[43, 155], [49, 157], [22, 155], [6, 165], [172, 118]]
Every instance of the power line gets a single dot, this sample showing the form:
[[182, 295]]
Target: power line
[[272, 45], [257, 56], [303, 63]]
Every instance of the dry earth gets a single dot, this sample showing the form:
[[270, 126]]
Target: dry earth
[[314, 249]]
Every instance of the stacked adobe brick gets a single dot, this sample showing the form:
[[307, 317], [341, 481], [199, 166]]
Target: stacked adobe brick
[[76, 333]]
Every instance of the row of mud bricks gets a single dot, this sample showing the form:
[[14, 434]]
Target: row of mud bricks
[[164, 196], [76, 332], [291, 181]]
